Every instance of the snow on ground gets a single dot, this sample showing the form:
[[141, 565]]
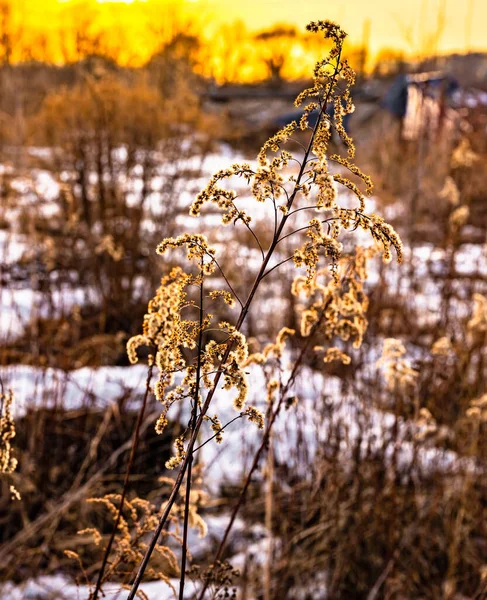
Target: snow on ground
[[12, 247], [58, 587], [471, 258], [18, 307], [100, 386], [35, 387], [322, 405]]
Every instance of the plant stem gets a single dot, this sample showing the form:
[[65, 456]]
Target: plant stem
[[264, 444], [130, 463], [194, 417], [243, 314]]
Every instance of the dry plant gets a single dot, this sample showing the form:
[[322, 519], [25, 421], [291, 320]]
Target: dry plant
[[194, 356], [395, 514], [8, 462], [350, 509], [119, 156], [393, 502]]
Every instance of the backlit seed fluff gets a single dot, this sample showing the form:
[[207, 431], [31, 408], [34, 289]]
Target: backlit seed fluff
[[255, 416], [333, 354], [8, 463], [189, 353]]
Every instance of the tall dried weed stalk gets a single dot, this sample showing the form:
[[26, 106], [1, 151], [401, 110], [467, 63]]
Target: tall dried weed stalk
[[8, 462], [196, 357]]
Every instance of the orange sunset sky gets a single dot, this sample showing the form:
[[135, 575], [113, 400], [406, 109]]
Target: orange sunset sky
[[409, 25]]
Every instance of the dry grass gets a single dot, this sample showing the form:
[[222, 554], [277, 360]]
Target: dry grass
[[371, 514]]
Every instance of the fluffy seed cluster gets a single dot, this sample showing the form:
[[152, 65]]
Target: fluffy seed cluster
[[323, 80], [478, 409], [196, 499], [385, 236], [397, 370], [223, 198], [463, 157], [217, 427], [332, 354], [8, 463], [319, 244], [255, 416], [337, 310], [172, 337], [426, 423], [273, 350], [332, 285], [225, 295], [234, 375], [458, 218], [477, 325], [442, 347], [450, 191], [197, 249], [274, 143], [178, 457], [108, 246], [138, 521]]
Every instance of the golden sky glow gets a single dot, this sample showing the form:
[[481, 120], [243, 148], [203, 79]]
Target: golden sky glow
[[408, 25], [393, 23]]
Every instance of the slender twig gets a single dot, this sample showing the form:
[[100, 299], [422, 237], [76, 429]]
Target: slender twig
[[277, 265], [268, 522], [128, 472], [280, 185], [304, 228], [303, 208], [265, 441], [194, 416], [222, 272], [218, 432], [297, 142], [184, 548], [295, 159], [275, 215], [240, 218], [329, 220]]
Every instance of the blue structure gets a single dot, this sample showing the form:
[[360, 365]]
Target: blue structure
[[435, 85]]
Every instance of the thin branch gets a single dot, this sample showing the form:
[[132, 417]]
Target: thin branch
[[297, 142], [240, 218], [277, 265], [218, 432], [304, 228], [222, 273], [265, 440], [295, 159], [130, 463], [280, 185], [275, 215], [194, 417], [303, 208]]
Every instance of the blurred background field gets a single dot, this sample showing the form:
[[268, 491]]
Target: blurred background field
[[112, 117]]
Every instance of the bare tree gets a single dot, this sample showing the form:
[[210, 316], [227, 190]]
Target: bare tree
[[275, 46]]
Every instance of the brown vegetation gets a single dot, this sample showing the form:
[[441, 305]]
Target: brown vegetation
[[368, 484]]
